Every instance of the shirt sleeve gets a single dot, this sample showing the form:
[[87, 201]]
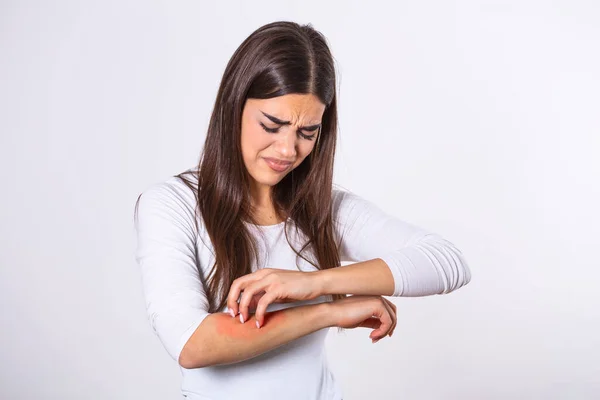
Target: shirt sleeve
[[175, 297], [422, 263]]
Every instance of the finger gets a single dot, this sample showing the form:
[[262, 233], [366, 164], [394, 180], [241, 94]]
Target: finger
[[253, 289], [372, 323], [392, 316], [383, 312], [238, 286], [254, 302], [395, 316], [261, 308]]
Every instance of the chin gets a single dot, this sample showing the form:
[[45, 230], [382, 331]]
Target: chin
[[271, 181]]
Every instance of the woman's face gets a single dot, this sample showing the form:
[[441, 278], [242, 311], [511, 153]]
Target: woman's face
[[283, 129]]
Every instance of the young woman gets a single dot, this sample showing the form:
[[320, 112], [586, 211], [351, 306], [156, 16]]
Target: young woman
[[241, 255]]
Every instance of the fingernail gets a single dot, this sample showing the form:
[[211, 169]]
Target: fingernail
[[257, 325], [231, 313], [241, 318]]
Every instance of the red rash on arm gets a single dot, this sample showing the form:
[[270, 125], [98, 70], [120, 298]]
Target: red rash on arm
[[222, 339], [233, 327], [272, 318]]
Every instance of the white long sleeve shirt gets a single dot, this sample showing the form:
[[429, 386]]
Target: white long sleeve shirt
[[175, 256]]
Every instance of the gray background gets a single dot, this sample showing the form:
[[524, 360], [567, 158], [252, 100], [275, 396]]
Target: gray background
[[475, 119]]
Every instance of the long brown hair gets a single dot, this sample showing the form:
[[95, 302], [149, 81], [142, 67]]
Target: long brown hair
[[278, 58]]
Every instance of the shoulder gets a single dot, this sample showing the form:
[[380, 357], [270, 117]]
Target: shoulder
[[351, 209], [174, 196], [344, 199], [338, 195], [171, 191]]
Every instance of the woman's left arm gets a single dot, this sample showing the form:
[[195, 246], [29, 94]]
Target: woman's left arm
[[392, 257]]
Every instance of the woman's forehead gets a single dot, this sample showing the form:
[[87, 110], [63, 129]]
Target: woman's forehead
[[290, 107]]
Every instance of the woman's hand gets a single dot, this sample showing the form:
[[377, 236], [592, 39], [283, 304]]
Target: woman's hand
[[270, 285], [366, 311]]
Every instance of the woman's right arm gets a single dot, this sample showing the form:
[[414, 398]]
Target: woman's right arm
[[221, 339]]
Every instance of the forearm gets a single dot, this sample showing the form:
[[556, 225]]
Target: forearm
[[221, 339], [371, 277]]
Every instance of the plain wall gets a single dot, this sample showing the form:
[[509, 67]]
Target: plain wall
[[478, 120]]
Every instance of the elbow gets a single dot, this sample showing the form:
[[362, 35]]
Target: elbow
[[467, 273], [428, 266], [447, 269], [456, 271], [466, 278], [189, 357], [180, 336], [463, 269], [187, 361]]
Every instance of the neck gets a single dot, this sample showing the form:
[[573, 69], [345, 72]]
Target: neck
[[261, 197]]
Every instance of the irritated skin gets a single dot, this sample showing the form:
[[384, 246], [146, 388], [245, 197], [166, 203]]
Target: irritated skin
[[222, 339], [233, 327]]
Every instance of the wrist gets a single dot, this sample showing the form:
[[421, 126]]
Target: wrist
[[325, 314], [321, 282]]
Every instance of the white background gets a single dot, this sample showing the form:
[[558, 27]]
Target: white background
[[478, 120]]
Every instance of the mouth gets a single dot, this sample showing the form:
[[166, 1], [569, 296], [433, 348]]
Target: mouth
[[277, 165]]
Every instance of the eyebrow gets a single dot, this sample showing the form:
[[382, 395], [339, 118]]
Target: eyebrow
[[281, 122]]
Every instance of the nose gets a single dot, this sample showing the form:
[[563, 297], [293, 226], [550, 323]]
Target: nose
[[286, 144]]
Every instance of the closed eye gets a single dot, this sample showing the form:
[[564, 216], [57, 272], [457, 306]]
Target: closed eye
[[275, 130], [270, 130]]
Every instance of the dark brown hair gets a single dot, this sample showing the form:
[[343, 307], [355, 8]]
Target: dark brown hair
[[277, 59]]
